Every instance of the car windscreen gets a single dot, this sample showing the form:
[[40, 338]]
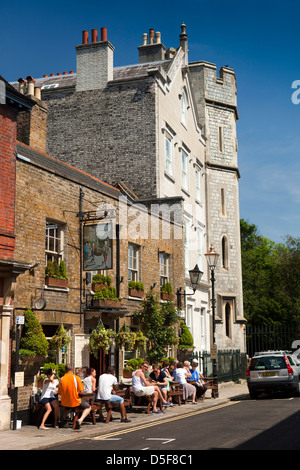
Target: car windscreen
[[268, 363]]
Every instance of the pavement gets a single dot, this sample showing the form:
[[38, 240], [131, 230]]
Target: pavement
[[29, 437]]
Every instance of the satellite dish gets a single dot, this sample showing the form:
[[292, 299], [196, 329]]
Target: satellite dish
[[40, 303]]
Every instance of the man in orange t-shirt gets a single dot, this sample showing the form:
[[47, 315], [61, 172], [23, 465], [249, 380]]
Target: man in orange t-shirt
[[69, 388]]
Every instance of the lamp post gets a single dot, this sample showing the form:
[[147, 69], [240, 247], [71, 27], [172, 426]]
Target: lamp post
[[195, 277], [212, 259]]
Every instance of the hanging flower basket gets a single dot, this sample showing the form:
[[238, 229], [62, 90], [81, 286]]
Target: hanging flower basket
[[125, 339], [101, 338]]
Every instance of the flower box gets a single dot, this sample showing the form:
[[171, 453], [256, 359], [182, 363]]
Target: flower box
[[136, 293], [97, 285], [106, 303], [56, 282], [165, 296], [127, 374]]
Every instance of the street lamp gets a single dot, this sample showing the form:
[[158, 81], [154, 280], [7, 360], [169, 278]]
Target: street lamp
[[212, 259], [195, 277]]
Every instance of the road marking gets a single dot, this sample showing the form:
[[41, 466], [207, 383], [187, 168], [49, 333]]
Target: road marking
[[165, 439], [166, 420]]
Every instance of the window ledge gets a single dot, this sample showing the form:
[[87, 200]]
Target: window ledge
[[57, 289]]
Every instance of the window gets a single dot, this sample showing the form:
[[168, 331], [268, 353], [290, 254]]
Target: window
[[54, 242], [184, 169], [164, 266], [187, 225], [198, 185], [227, 319], [200, 247], [169, 154], [224, 252], [134, 263], [221, 139], [189, 314], [183, 108], [223, 201]]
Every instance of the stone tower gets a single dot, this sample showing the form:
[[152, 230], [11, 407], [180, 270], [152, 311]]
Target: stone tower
[[217, 107]]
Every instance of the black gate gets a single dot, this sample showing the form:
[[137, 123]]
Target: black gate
[[270, 337]]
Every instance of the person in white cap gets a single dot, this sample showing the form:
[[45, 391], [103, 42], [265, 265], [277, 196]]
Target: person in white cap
[[195, 375]]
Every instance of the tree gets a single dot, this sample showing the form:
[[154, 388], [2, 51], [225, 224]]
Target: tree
[[33, 338], [158, 322]]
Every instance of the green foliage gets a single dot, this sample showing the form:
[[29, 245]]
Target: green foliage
[[158, 322], [167, 288], [55, 270], [109, 293], [33, 338], [136, 285], [134, 364], [61, 340], [271, 289], [125, 338], [100, 338], [186, 338], [101, 279], [59, 368]]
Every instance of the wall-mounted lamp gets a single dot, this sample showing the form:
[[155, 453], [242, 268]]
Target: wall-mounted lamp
[[195, 277], [32, 268]]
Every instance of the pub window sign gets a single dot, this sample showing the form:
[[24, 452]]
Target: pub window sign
[[97, 247]]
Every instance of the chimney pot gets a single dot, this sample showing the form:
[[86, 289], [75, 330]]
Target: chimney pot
[[22, 85], [45, 76], [37, 93], [58, 73], [157, 37], [65, 73], [151, 36], [85, 37], [52, 74], [103, 34], [145, 39], [94, 35], [71, 71]]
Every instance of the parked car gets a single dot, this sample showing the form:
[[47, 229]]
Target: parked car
[[273, 371]]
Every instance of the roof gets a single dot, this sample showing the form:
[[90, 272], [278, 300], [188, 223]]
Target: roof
[[64, 170], [127, 72]]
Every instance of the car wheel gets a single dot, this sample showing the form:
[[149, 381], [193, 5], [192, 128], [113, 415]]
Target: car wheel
[[297, 390]]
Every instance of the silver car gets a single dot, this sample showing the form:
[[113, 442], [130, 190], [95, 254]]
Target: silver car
[[273, 371]]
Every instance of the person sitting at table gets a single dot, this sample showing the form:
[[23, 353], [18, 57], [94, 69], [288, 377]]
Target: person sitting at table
[[89, 382], [170, 372], [160, 377], [195, 375], [107, 388], [188, 389], [143, 387], [49, 398], [70, 387]]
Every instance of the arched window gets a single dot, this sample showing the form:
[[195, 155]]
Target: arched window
[[224, 252]]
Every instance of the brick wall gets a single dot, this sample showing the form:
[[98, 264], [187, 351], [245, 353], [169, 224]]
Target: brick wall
[[32, 126], [8, 130]]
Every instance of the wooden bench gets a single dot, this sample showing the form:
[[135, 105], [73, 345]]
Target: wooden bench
[[149, 400], [97, 405], [174, 391], [210, 385]]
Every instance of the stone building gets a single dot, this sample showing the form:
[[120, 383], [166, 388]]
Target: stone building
[[164, 127]]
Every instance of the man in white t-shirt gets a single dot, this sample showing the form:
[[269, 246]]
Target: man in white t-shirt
[[107, 391]]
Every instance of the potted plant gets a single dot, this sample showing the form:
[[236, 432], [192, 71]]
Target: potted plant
[[186, 343], [166, 291], [132, 365], [56, 274], [100, 338], [125, 338], [136, 289], [107, 297], [100, 281]]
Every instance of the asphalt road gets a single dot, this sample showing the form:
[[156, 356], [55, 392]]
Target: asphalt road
[[264, 424]]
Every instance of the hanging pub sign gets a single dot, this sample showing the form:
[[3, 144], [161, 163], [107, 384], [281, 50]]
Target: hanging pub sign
[[97, 246]]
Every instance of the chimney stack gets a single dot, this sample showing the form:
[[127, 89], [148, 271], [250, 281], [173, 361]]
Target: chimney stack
[[94, 62], [183, 37], [152, 51]]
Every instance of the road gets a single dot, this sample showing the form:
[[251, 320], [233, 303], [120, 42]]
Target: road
[[264, 424]]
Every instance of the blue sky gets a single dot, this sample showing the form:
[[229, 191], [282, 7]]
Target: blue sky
[[259, 39]]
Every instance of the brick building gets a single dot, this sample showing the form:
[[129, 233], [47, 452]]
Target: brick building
[[49, 204], [164, 127]]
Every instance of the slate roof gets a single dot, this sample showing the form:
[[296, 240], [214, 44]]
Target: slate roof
[[59, 168], [127, 72]]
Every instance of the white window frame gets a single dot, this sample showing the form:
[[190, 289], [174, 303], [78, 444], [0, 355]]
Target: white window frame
[[184, 170], [189, 316], [187, 227], [54, 241], [169, 154], [164, 268], [134, 262]]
